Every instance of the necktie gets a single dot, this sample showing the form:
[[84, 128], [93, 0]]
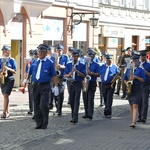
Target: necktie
[[106, 73], [39, 70]]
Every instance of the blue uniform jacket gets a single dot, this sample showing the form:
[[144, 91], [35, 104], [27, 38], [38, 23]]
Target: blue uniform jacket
[[138, 72], [11, 63], [146, 66], [63, 61], [94, 67], [80, 67], [112, 72], [47, 70]]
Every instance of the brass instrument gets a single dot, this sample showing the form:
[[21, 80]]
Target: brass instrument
[[73, 72], [114, 79], [55, 55], [4, 71], [130, 81], [86, 80]]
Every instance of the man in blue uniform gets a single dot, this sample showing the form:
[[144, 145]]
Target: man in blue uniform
[[108, 72], [143, 106], [76, 71], [62, 61], [89, 94], [42, 70]]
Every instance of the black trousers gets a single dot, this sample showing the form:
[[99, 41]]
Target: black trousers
[[101, 94], [41, 101], [75, 93], [143, 106], [88, 99], [108, 98], [60, 98], [30, 92]]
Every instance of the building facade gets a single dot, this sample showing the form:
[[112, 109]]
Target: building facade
[[26, 24]]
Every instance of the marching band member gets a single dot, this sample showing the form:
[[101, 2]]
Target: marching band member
[[75, 70], [62, 61], [29, 83], [50, 52], [143, 106], [121, 64], [88, 95], [42, 70], [108, 72], [133, 79], [70, 50], [8, 69], [104, 54]]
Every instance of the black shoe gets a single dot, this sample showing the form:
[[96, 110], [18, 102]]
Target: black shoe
[[117, 93], [44, 127], [143, 120], [123, 96], [90, 117], [59, 114], [29, 112], [73, 121], [38, 127], [101, 105], [85, 116], [139, 120], [50, 107], [33, 117]]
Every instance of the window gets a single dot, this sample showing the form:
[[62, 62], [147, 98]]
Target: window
[[122, 2]]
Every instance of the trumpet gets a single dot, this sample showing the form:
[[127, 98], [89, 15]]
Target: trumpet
[[4, 71]]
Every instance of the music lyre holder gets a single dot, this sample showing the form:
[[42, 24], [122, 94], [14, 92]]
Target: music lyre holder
[[26, 60], [4, 59]]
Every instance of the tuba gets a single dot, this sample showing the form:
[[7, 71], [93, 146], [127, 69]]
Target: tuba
[[86, 80], [4, 71], [130, 81], [55, 55]]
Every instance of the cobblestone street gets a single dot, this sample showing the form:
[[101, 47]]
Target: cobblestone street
[[18, 133]]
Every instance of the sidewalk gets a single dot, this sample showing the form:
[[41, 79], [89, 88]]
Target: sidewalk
[[18, 133]]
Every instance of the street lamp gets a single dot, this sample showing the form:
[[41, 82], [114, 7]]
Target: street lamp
[[93, 20]]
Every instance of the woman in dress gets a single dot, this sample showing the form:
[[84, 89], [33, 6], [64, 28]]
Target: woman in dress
[[8, 69], [133, 79]]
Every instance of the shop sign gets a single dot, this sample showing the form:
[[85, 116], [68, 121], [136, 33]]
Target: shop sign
[[112, 43], [53, 29], [113, 32], [80, 32]]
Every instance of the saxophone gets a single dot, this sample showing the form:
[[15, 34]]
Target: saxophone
[[86, 80], [55, 55], [130, 82], [4, 71]]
